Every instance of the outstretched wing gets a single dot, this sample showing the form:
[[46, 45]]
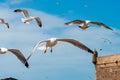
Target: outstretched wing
[[3, 22], [38, 21], [9, 78], [34, 48], [75, 22], [76, 43], [7, 25], [24, 11], [20, 56], [101, 24]]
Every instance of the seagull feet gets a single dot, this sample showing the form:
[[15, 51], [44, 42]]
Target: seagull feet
[[51, 50]]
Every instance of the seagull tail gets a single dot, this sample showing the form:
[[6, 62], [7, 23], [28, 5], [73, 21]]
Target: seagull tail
[[24, 21]]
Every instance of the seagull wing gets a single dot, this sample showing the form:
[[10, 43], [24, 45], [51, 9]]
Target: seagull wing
[[101, 24], [1, 20], [38, 21], [24, 11], [10, 78], [75, 22], [20, 56], [76, 43], [7, 25], [34, 48]]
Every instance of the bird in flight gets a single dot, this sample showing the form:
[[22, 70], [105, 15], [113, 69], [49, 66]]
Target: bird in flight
[[53, 41], [86, 23], [28, 18], [3, 22], [9, 78], [107, 40], [16, 52]]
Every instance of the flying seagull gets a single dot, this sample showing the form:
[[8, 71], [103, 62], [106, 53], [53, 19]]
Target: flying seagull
[[28, 18], [9, 78], [3, 22], [86, 23], [53, 41], [107, 40], [16, 52]]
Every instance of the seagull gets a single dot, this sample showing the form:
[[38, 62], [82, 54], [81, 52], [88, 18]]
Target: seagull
[[3, 22], [28, 18], [9, 78], [53, 41], [86, 23], [106, 40], [16, 52]]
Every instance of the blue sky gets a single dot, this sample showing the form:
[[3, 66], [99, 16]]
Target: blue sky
[[66, 62]]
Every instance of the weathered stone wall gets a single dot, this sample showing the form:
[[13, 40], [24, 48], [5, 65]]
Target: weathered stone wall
[[108, 67]]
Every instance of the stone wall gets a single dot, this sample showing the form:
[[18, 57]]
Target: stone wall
[[108, 67]]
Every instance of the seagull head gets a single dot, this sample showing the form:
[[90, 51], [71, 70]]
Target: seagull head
[[24, 20], [3, 50]]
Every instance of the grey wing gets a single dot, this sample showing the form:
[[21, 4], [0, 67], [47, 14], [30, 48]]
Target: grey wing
[[20, 56], [38, 21], [101, 24], [34, 48], [76, 43], [24, 11], [75, 22], [1, 20], [7, 25], [18, 10]]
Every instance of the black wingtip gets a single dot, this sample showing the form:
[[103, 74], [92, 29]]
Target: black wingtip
[[79, 26], [40, 25], [27, 65], [15, 11], [66, 23], [111, 29], [90, 51], [8, 27]]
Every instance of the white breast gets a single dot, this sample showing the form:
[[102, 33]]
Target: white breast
[[3, 50], [52, 42]]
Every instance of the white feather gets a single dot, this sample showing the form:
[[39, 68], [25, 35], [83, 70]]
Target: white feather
[[42, 48], [23, 20]]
